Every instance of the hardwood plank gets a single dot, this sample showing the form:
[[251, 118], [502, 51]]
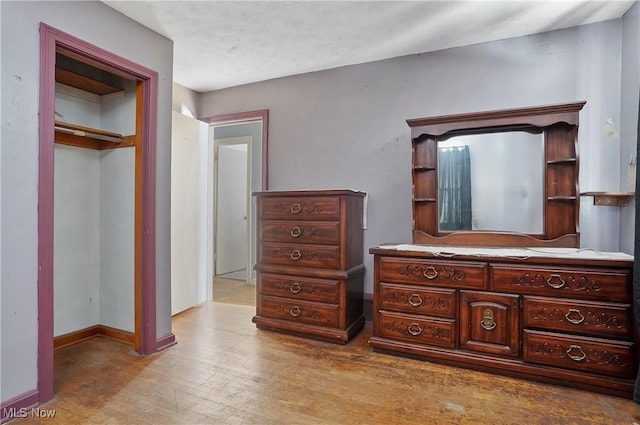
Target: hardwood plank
[[225, 371]]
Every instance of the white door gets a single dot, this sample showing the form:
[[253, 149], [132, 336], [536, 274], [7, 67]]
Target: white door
[[188, 212], [231, 205]]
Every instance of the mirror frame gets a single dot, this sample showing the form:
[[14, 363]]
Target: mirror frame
[[558, 123]]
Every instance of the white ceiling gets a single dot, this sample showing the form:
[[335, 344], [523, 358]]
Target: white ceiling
[[219, 44]]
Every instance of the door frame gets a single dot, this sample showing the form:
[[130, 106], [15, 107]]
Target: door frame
[[230, 141], [246, 117], [261, 115], [146, 341]]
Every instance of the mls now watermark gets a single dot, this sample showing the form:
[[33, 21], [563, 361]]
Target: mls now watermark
[[35, 412]]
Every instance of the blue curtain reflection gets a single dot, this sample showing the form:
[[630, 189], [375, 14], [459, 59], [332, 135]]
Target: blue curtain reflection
[[454, 188]]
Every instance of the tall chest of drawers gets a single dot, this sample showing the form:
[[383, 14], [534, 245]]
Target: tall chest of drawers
[[555, 315], [310, 263]]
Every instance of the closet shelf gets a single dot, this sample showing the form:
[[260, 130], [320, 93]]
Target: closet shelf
[[82, 82], [91, 138], [613, 199]]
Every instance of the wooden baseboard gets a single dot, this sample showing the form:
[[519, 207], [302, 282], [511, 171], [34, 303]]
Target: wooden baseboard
[[71, 338], [19, 406], [165, 342]]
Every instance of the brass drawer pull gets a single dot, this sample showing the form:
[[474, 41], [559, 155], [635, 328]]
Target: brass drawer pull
[[430, 273], [295, 232], [487, 320], [579, 357], [555, 278], [573, 312], [295, 255], [414, 329], [295, 288], [296, 208], [415, 300], [295, 311]]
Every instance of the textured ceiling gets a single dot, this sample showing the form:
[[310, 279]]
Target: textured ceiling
[[219, 44]]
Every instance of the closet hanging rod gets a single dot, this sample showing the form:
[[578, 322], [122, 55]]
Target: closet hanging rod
[[86, 132]]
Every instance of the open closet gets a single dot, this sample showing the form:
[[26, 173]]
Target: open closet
[[96, 113], [98, 123]]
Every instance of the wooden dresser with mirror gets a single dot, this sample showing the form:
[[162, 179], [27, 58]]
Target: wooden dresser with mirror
[[495, 278]]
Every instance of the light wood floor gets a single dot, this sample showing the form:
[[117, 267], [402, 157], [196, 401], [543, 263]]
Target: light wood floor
[[225, 371]]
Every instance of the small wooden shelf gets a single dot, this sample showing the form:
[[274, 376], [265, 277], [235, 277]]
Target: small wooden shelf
[[90, 138], [612, 199]]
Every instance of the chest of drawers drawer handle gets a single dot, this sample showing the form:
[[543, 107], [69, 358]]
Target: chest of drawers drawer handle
[[573, 312], [573, 357], [430, 273], [295, 288], [414, 329], [488, 323], [295, 232], [295, 311], [555, 278], [296, 208], [295, 255], [415, 300]]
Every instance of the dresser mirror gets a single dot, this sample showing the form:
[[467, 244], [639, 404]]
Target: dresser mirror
[[491, 182], [497, 178]]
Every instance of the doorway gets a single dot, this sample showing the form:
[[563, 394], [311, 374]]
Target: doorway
[[232, 208], [253, 124], [53, 43]]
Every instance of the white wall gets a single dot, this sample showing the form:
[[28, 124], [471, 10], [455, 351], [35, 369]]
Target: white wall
[[76, 239], [100, 25], [117, 215], [346, 128], [629, 118]]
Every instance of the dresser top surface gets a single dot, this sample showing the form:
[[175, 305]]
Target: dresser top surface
[[310, 192], [478, 253]]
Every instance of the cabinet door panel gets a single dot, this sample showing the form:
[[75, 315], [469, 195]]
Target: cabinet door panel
[[490, 323]]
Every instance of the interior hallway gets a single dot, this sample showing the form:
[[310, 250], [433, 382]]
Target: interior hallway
[[225, 371]]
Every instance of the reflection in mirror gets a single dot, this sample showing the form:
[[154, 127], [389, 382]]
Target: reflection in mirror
[[492, 182]]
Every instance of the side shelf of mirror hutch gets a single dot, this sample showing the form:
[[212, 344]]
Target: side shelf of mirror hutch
[[529, 305]]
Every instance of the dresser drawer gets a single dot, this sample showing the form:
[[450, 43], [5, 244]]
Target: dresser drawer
[[596, 284], [301, 208], [304, 288], [418, 329], [299, 311], [326, 233], [578, 317], [320, 256], [594, 355], [418, 300], [433, 272]]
